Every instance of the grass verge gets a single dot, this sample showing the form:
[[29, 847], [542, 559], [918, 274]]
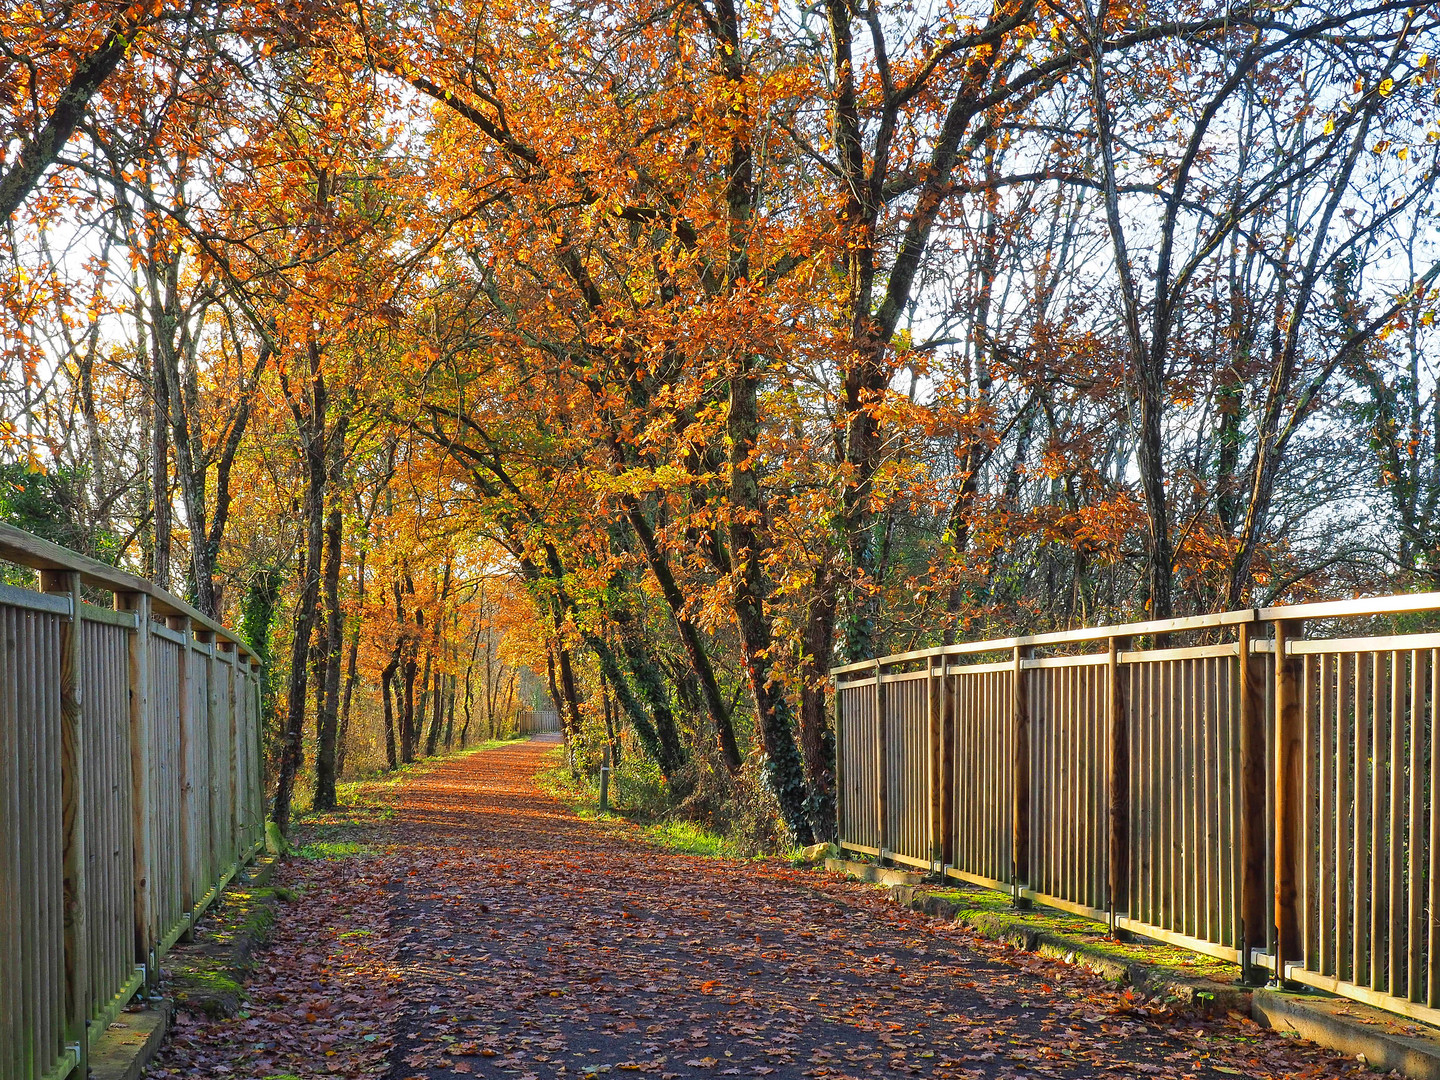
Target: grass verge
[[630, 814]]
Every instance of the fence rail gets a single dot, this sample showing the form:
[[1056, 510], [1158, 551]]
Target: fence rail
[[1221, 782], [129, 794]]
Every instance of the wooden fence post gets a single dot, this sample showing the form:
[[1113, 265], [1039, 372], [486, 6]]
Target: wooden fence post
[[1020, 839], [72, 793], [882, 766], [140, 766], [934, 724], [228, 727], [947, 764], [181, 625], [1253, 813], [1118, 781], [837, 720], [1289, 766]]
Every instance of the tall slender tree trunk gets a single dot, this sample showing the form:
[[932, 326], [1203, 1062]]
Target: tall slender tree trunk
[[310, 421], [387, 679], [160, 473], [352, 671], [334, 629], [783, 769]]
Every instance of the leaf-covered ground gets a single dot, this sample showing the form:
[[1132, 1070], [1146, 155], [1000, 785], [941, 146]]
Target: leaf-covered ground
[[494, 934]]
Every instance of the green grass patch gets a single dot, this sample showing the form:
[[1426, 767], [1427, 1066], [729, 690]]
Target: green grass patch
[[628, 815], [691, 839], [333, 849]]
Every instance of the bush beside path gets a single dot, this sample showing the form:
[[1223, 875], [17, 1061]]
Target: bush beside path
[[486, 931]]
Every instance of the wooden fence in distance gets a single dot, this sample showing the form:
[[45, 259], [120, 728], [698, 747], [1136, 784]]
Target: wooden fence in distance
[[537, 721], [1223, 783], [130, 794]]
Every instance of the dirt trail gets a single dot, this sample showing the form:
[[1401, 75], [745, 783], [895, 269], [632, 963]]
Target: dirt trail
[[506, 938]]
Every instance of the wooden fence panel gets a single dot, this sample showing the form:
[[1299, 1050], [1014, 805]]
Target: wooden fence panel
[[1370, 832], [167, 868], [858, 748], [1185, 799], [907, 746], [984, 777], [32, 941], [109, 817], [1069, 750]]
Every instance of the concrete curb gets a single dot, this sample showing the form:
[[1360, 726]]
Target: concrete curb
[[1202, 996], [207, 975], [133, 1039], [1379, 1039], [881, 875], [1383, 1041], [130, 1043]]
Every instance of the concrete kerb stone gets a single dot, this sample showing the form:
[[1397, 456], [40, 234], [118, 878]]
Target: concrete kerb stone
[[131, 1042], [1383, 1041], [873, 872], [1204, 996]]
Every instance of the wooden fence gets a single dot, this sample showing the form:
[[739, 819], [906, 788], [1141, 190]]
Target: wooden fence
[[537, 721], [130, 794], [1225, 783]]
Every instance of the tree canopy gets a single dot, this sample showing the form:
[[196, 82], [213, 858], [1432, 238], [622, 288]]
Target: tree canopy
[[649, 359]]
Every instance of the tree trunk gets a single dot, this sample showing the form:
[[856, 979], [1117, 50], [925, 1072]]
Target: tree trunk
[[387, 678], [352, 672], [783, 767], [437, 714], [310, 421], [334, 627]]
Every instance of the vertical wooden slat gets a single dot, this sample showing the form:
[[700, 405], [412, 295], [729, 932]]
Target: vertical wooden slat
[[72, 787], [1185, 857], [1325, 840], [1289, 768], [882, 765], [1306, 899], [1364, 727], [1020, 776], [1379, 865], [1117, 783], [1432, 948], [1415, 932], [1210, 810], [1395, 928], [1345, 810]]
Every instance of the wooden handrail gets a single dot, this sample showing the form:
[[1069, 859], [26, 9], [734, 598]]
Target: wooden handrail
[[18, 546], [1400, 604]]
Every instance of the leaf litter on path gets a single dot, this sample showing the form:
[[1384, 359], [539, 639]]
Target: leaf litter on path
[[496, 935]]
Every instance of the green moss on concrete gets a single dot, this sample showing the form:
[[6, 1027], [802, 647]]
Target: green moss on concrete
[[1189, 979], [207, 975]]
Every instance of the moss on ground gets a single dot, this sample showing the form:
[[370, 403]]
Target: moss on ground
[[1095, 935], [207, 975]]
